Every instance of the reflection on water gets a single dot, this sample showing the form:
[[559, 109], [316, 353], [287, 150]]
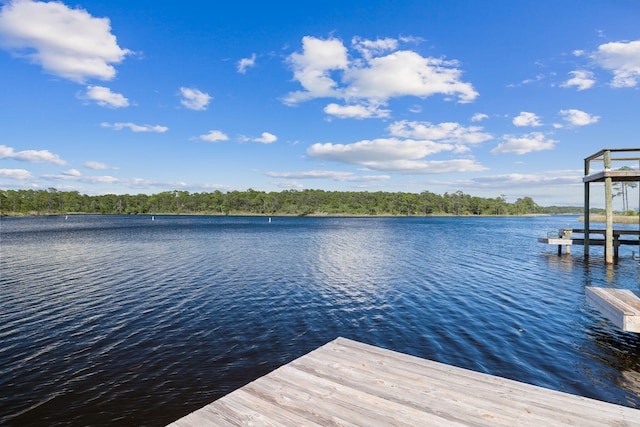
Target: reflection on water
[[123, 320]]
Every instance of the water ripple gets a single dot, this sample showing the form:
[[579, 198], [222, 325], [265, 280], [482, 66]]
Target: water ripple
[[120, 320]]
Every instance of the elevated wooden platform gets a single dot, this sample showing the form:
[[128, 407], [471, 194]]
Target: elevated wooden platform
[[625, 173], [347, 383], [620, 306]]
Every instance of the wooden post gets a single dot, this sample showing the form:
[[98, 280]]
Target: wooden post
[[586, 210], [608, 195]]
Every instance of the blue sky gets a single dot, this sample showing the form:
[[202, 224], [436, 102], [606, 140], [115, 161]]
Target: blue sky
[[489, 98]]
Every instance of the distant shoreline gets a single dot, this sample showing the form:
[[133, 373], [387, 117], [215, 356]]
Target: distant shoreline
[[620, 219], [313, 215]]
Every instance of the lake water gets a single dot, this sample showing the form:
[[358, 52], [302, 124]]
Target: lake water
[[125, 320]]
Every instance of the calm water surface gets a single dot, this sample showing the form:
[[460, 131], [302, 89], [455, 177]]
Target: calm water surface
[[121, 320]]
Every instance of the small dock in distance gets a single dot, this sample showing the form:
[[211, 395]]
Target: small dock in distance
[[566, 237], [348, 383]]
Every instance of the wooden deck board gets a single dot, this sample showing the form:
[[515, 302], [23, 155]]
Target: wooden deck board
[[347, 383], [620, 306]]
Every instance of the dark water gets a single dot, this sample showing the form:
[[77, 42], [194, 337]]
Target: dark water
[[121, 320]]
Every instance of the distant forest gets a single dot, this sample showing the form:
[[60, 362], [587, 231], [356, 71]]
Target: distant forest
[[287, 202]]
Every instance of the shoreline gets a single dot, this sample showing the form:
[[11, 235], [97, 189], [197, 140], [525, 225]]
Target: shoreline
[[617, 219], [283, 215]]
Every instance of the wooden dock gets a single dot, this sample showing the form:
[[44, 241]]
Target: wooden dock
[[347, 383], [620, 306], [566, 238]]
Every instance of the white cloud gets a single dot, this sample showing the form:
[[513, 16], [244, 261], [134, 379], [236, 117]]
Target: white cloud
[[74, 173], [535, 141], [137, 183], [370, 48], [578, 118], [406, 73], [478, 117], [91, 164], [527, 119], [245, 63], [104, 97], [325, 70], [406, 150], [377, 150], [527, 180], [331, 175], [266, 138], [623, 59], [194, 99], [581, 80], [66, 42], [313, 66], [447, 132], [360, 111], [214, 136], [428, 166], [17, 174], [135, 128], [537, 78], [33, 156]]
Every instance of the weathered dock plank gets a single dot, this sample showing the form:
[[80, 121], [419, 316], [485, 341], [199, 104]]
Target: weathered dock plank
[[620, 306], [348, 383]]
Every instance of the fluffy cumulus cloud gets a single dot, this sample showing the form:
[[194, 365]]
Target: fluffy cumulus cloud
[[376, 151], [326, 69], [104, 97], [135, 128], [578, 118], [312, 68], [527, 119], [73, 173], [66, 42], [214, 136], [393, 155], [194, 99], [534, 141], [32, 156], [622, 59], [478, 117], [580, 79], [266, 138], [408, 148], [17, 174], [246, 63], [447, 132]]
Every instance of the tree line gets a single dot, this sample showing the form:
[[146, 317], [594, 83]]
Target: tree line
[[252, 202]]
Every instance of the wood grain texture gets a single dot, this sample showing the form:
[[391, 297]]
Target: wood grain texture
[[348, 383], [620, 306]]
